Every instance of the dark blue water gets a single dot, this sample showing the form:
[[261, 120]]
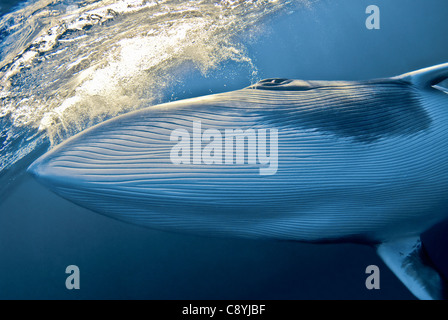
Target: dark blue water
[[41, 234]]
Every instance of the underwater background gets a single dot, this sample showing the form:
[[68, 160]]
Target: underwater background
[[66, 65]]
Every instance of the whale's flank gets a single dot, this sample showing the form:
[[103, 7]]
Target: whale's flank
[[364, 111]]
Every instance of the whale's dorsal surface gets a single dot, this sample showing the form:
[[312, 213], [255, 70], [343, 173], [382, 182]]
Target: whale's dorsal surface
[[318, 161]]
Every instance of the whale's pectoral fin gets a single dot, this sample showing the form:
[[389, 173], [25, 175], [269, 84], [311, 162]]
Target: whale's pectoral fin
[[410, 263], [427, 77]]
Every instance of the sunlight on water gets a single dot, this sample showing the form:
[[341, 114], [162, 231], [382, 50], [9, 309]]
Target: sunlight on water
[[67, 65]]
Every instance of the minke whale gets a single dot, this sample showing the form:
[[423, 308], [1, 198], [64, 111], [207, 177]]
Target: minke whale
[[313, 161]]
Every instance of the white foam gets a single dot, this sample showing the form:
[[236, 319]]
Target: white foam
[[60, 76]]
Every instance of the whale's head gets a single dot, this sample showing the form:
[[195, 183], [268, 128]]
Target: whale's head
[[117, 168], [128, 167]]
